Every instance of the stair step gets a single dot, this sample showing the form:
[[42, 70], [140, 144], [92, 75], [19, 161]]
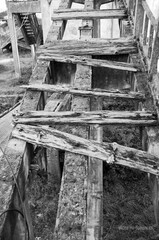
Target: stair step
[[93, 47]]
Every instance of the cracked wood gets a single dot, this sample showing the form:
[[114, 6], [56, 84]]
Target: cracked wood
[[109, 152]]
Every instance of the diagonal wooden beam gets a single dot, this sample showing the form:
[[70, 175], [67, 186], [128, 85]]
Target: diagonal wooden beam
[[109, 152], [89, 92], [90, 62]]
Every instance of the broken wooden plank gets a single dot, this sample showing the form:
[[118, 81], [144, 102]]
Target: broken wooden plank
[[90, 62], [90, 47], [109, 152], [89, 92], [89, 14], [138, 118]]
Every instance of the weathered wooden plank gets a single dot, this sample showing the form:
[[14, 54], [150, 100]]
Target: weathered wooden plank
[[24, 6], [88, 14], [92, 47], [13, 36], [83, 118], [109, 152], [88, 92], [155, 52], [56, 102], [90, 62], [145, 29], [149, 13], [139, 15]]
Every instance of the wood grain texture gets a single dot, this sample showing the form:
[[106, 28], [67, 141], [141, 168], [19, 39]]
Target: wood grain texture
[[90, 47], [88, 14], [94, 92], [88, 118], [109, 152], [90, 62]]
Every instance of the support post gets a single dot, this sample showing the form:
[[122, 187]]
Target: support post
[[46, 8], [139, 16], [13, 36]]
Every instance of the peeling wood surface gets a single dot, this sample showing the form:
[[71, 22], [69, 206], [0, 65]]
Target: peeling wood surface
[[90, 62], [88, 92], [109, 152], [90, 47], [89, 14], [97, 117]]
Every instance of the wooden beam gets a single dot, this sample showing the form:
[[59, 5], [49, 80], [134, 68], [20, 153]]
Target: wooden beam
[[24, 6], [90, 62], [92, 47], [56, 102], [109, 152], [139, 15], [89, 92], [88, 14], [83, 118], [13, 36]]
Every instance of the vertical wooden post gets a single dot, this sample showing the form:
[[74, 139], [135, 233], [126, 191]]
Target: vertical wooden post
[[46, 17], [13, 36], [139, 15], [145, 29], [33, 53], [155, 52], [96, 29]]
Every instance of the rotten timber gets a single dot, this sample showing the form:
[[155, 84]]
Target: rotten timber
[[90, 47], [88, 14], [89, 92], [109, 152], [138, 118], [90, 62]]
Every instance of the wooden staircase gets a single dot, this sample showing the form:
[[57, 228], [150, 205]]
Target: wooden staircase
[[63, 108], [30, 28]]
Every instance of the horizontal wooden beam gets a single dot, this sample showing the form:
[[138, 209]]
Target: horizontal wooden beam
[[87, 118], [112, 153], [89, 92], [92, 47], [24, 7], [88, 14], [149, 14], [90, 62]]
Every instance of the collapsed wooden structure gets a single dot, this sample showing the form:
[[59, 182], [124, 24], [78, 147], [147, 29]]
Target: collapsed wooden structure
[[63, 110]]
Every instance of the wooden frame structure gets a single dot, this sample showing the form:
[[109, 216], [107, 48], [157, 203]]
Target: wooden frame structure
[[77, 106]]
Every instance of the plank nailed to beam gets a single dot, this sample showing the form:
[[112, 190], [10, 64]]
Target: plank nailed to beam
[[88, 14], [90, 62], [84, 118], [88, 92], [110, 152], [92, 46]]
